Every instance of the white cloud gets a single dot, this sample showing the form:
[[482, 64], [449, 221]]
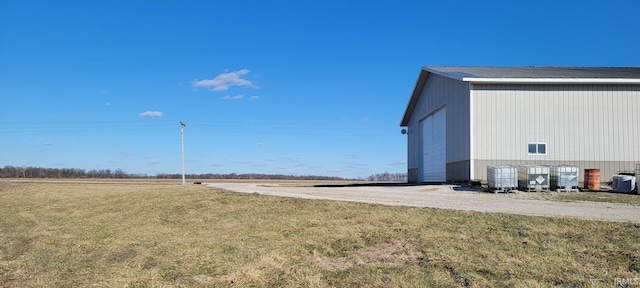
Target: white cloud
[[156, 114], [354, 164], [223, 81], [229, 97], [152, 159], [240, 97], [47, 143], [399, 163], [282, 159]]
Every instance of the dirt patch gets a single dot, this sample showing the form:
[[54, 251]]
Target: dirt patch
[[395, 254]]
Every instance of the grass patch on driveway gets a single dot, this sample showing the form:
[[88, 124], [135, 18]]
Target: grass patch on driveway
[[611, 197], [606, 197], [142, 235]]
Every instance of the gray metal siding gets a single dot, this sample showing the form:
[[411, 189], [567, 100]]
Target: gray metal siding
[[441, 92], [458, 171], [594, 125]]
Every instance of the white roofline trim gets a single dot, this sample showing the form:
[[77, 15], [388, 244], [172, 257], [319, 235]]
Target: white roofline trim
[[554, 80]]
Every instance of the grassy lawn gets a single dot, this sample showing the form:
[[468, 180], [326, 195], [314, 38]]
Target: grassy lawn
[[142, 235]]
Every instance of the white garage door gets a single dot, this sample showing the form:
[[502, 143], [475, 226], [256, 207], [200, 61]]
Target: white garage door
[[434, 151]]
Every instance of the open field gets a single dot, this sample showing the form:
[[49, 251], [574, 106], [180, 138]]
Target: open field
[[150, 235]]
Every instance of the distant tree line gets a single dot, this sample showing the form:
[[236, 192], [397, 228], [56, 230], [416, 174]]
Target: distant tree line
[[386, 176], [40, 172], [249, 176]]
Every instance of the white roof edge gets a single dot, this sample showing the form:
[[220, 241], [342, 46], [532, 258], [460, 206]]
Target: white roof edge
[[533, 80], [552, 80]]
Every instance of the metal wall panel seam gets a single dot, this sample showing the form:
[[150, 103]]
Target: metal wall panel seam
[[471, 138]]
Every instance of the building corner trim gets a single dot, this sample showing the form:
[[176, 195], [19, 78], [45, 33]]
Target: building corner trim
[[471, 156]]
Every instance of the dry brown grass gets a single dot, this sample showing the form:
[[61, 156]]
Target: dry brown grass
[[141, 235], [608, 197], [611, 197]]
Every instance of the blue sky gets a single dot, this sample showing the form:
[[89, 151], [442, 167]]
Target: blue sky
[[283, 87]]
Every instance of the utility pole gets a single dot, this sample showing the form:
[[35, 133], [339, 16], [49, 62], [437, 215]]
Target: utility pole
[[182, 125]]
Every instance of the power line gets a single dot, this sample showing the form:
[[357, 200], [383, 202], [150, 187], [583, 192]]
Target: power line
[[278, 128]]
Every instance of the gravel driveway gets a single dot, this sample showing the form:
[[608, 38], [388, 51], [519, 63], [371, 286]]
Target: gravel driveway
[[447, 197]]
